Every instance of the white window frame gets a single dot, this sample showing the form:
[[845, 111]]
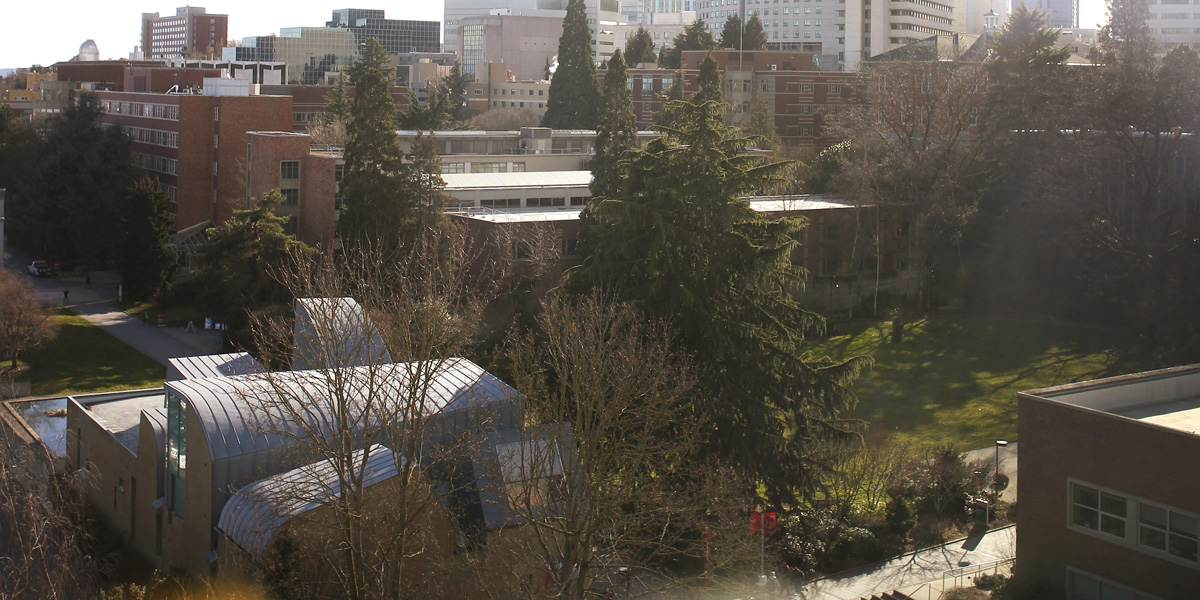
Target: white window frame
[[1167, 533], [1132, 538], [1100, 491], [1130, 593]]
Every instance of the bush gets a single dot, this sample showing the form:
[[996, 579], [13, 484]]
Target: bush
[[989, 582], [964, 594], [1024, 589], [817, 541]]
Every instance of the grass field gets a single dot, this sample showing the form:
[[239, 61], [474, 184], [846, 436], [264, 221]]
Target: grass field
[[957, 379], [83, 359]]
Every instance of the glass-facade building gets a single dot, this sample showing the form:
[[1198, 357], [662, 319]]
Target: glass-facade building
[[310, 52], [397, 36]]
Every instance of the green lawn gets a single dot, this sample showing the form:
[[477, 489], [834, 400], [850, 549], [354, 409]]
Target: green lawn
[[83, 359], [957, 378]]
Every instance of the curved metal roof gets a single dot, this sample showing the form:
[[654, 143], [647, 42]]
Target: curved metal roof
[[256, 511], [212, 365], [335, 332]]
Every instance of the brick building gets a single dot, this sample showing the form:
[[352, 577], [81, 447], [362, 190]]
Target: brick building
[[196, 143], [1110, 507], [190, 32]]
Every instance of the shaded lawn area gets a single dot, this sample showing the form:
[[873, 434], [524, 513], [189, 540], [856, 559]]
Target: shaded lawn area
[[956, 379], [84, 359]]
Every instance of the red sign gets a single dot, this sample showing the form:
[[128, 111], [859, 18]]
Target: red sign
[[759, 519]]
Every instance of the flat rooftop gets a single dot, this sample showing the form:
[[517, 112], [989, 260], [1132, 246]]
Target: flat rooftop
[[523, 180], [120, 413], [1167, 398], [762, 204]]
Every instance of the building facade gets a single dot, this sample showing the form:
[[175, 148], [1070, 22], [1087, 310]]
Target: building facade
[[195, 144], [397, 36], [1109, 508], [1059, 13], [314, 55], [496, 87], [525, 44], [603, 16], [190, 32], [1175, 22]]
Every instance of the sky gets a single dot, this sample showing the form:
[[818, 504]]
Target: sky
[[48, 31]]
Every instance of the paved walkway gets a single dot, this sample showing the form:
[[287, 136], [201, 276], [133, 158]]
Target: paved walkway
[[95, 305], [919, 572], [1008, 466]]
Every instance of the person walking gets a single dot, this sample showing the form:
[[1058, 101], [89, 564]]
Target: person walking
[[145, 317], [66, 294]]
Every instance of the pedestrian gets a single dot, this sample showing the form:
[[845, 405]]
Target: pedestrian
[[87, 281], [145, 317], [66, 293]]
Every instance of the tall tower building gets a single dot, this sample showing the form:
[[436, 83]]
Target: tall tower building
[[1059, 13], [603, 17], [190, 32], [397, 36]]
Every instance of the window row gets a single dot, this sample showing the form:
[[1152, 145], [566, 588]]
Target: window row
[[170, 139], [139, 109], [157, 164], [1146, 526]]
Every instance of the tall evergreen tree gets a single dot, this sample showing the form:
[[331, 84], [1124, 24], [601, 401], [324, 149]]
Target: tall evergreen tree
[[337, 108], [1028, 82], [145, 258], [762, 122], [731, 34], [755, 37], [709, 82], [381, 209], [680, 243], [456, 91], [693, 37], [640, 48], [666, 115], [616, 131], [573, 94]]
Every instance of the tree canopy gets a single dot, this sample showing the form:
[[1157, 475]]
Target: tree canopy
[[616, 131], [693, 37], [754, 36], [573, 95], [639, 48], [731, 33], [145, 257], [770, 403]]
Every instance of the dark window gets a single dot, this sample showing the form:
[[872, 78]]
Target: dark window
[[289, 169], [291, 197]]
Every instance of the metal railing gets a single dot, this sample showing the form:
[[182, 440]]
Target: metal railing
[[959, 573]]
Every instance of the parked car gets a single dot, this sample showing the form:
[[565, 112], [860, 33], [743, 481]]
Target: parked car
[[38, 268]]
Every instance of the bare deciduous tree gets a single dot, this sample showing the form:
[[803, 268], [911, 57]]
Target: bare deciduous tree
[[24, 324], [606, 473]]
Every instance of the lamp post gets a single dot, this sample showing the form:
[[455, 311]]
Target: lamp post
[[996, 476]]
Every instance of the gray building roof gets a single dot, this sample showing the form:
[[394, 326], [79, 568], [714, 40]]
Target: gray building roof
[[256, 511], [212, 365], [335, 332]]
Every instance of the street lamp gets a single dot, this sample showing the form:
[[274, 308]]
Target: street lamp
[[996, 476]]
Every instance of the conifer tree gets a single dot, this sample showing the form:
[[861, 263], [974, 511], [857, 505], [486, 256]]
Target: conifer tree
[[382, 209], [337, 108], [616, 130], [666, 115], [455, 85], [144, 256], [762, 122], [573, 94], [680, 243], [694, 37], [640, 48], [709, 82], [731, 34], [755, 37]]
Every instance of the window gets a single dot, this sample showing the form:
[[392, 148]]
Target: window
[[570, 247], [176, 451], [1165, 530], [541, 202], [1084, 586], [532, 471], [453, 168], [291, 197], [578, 200], [489, 167], [289, 169], [1098, 510], [647, 86]]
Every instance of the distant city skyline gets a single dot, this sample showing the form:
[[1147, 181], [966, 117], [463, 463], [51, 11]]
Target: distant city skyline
[[117, 29]]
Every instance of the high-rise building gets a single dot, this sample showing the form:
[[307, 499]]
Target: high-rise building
[[1174, 22], [1059, 13], [397, 36], [603, 17], [840, 33], [489, 39], [312, 54], [191, 32]]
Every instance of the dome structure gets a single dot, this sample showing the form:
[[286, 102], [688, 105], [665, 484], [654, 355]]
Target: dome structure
[[88, 52]]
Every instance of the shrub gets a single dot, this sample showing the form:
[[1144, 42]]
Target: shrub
[[989, 582]]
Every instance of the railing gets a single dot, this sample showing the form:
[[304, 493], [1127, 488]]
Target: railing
[[958, 574]]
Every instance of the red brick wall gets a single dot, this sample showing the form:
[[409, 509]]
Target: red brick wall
[[201, 43], [1060, 441], [194, 200], [238, 116], [317, 200]]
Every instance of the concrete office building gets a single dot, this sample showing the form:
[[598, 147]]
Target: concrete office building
[[1110, 505], [498, 88], [1059, 13], [397, 36], [525, 44], [603, 16], [1175, 22], [840, 34], [662, 27], [190, 32], [313, 54]]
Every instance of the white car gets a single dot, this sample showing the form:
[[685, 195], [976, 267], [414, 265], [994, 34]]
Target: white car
[[38, 268]]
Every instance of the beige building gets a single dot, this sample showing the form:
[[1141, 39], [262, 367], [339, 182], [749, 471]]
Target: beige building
[[526, 44], [495, 86]]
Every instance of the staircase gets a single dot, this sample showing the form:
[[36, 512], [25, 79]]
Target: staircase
[[892, 595]]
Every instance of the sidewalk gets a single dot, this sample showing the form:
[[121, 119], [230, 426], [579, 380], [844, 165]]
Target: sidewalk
[[921, 570], [1008, 466], [159, 344]]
